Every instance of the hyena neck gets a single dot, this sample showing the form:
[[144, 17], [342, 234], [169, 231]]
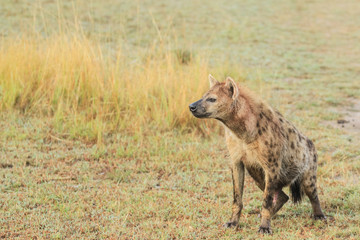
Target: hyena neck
[[242, 120]]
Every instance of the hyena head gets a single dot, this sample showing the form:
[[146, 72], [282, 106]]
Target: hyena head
[[218, 101]]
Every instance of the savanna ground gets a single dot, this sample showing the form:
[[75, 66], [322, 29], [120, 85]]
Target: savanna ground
[[97, 144]]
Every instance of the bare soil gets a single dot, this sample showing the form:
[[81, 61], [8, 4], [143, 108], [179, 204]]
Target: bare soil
[[350, 120]]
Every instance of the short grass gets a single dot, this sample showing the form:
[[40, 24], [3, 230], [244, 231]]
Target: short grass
[[157, 173]]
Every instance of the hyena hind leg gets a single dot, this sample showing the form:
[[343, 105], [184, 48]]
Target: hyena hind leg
[[274, 199], [280, 197], [310, 189]]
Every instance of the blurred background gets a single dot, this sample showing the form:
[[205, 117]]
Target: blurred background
[[96, 140]]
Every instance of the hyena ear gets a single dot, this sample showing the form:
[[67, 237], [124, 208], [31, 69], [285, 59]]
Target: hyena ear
[[212, 81], [233, 87]]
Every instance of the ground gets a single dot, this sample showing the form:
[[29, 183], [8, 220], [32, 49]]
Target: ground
[[177, 184]]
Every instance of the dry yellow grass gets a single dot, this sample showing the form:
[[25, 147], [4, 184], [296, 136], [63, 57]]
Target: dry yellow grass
[[69, 77]]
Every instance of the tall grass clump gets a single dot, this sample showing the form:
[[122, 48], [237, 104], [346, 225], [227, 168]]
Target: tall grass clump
[[88, 93]]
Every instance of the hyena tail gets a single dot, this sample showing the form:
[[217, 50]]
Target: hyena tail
[[296, 191]]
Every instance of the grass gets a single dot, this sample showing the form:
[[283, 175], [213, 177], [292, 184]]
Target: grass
[[96, 140], [89, 95]]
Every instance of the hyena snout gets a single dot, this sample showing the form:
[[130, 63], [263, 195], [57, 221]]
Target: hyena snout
[[198, 110], [194, 106]]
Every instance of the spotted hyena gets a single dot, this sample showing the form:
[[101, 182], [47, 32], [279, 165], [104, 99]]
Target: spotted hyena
[[260, 139]]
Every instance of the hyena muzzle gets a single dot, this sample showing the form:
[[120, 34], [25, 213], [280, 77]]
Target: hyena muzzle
[[261, 140]]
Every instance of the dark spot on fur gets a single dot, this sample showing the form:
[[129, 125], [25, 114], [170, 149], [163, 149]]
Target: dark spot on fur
[[292, 145], [257, 124], [281, 120], [269, 117], [287, 137], [273, 130], [273, 170], [290, 130], [276, 164], [312, 185], [315, 158], [271, 143], [314, 192], [263, 129], [261, 115], [268, 202], [271, 154], [282, 134], [266, 143], [309, 143], [259, 132]]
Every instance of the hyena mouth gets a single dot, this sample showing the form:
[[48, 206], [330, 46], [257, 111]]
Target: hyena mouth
[[201, 115]]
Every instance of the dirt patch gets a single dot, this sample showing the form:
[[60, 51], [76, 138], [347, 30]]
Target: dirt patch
[[350, 122]]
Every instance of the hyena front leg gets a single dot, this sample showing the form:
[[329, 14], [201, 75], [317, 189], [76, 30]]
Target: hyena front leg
[[238, 175]]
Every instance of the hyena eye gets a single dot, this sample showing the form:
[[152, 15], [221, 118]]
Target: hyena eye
[[211, 99]]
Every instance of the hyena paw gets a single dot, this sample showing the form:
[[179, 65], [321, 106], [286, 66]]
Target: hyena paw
[[320, 217], [265, 230], [231, 224]]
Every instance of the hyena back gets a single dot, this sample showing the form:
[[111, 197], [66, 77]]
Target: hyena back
[[261, 140]]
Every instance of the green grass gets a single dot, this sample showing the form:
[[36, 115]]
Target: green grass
[[175, 183]]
